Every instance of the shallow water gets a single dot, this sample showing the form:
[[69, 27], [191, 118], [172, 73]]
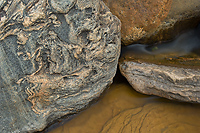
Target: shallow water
[[109, 114]]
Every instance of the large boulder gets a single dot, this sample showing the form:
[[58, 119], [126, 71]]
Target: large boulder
[[147, 21], [55, 58]]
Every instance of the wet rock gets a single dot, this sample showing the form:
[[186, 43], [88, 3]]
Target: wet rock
[[165, 81], [147, 21], [55, 58], [153, 118]]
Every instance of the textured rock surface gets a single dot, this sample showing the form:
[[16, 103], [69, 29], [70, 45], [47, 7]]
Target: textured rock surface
[[165, 81], [147, 21], [55, 57], [153, 118]]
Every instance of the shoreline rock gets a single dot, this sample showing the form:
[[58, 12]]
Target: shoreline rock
[[55, 58], [164, 81]]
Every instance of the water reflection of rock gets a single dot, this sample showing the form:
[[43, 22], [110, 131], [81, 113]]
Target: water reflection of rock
[[174, 73], [153, 118], [184, 44]]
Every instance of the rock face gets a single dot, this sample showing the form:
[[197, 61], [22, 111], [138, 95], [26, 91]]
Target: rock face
[[165, 81], [147, 21], [55, 58], [153, 118]]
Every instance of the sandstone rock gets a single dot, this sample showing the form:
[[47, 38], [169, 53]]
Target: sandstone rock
[[153, 118], [55, 58], [165, 81], [147, 21]]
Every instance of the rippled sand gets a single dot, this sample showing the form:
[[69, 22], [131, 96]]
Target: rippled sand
[[121, 109]]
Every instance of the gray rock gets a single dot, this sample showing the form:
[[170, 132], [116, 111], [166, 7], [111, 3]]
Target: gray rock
[[55, 58], [165, 81]]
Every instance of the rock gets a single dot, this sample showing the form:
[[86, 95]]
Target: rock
[[164, 81], [153, 118], [147, 21], [55, 58]]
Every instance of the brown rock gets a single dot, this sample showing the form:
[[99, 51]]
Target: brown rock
[[152, 21], [138, 17]]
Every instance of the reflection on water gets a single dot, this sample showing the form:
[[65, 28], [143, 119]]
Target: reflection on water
[[184, 44], [121, 107]]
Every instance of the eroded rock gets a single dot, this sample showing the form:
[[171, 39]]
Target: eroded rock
[[55, 58], [147, 21], [164, 81]]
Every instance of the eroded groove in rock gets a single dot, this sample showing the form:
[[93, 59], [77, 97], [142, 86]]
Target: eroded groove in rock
[[55, 57]]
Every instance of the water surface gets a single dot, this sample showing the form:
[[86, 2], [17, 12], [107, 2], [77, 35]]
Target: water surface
[[183, 52], [110, 112]]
